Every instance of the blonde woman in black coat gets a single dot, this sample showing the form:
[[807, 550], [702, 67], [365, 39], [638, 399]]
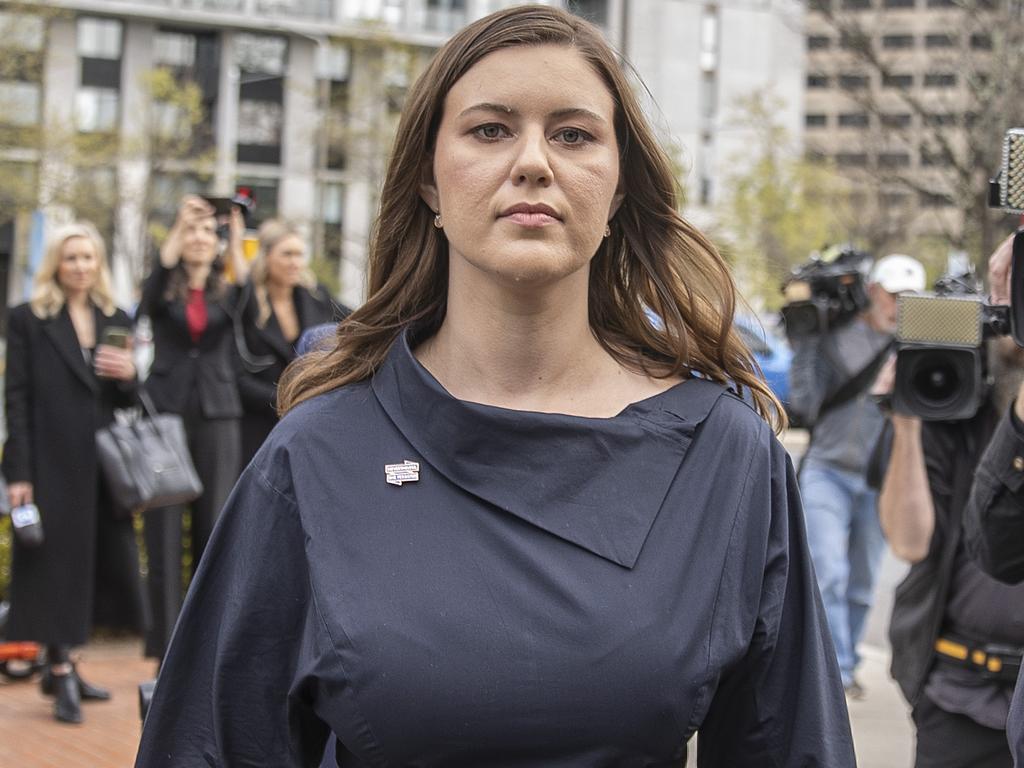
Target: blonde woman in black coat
[[190, 306], [281, 300], [63, 383]]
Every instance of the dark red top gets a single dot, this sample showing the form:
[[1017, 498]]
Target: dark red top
[[195, 313]]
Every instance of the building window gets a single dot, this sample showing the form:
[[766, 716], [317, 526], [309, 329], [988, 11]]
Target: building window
[[856, 5], [939, 79], [854, 120], [853, 82], [816, 121], [19, 103], [96, 110], [932, 200], [332, 208], [897, 81], [898, 3], [99, 38], [333, 62], [851, 159], [942, 3], [890, 200], [854, 41], [174, 49], [981, 41], [263, 54], [938, 119], [818, 43], [259, 123], [24, 31], [897, 120], [939, 41], [818, 81], [893, 160], [934, 159], [897, 41], [595, 11]]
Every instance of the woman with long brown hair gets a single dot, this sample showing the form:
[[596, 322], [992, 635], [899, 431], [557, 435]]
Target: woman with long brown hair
[[507, 519], [68, 368], [281, 300]]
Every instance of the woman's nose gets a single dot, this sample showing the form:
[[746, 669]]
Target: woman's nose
[[532, 165]]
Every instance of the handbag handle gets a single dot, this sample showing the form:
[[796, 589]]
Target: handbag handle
[[147, 402]]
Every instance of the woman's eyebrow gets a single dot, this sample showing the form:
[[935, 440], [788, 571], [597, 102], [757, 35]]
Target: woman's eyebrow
[[558, 113]]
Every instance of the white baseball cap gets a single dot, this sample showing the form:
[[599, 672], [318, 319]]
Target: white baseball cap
[[897, 273]]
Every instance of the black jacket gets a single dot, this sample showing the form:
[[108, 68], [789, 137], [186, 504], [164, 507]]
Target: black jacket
[[952, 451], [180, 366], [262, 354], [54, 405]]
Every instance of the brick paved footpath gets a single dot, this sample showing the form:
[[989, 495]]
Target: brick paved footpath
[[109, 737]]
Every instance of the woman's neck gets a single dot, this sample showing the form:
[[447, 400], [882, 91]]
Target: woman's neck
[[533, 351], [79, 300], [278, 292], [197, 276]]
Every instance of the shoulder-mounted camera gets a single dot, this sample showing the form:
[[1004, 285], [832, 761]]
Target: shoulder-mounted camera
[[825, 292]]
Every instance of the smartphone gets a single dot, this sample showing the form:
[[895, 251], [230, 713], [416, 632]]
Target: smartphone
[[116, 336], [221, 205]]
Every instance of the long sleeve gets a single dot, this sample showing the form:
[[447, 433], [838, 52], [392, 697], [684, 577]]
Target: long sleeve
[[153, 287], [781, 705], [17, 460], [237, 686], [809, 377], [994, 518]]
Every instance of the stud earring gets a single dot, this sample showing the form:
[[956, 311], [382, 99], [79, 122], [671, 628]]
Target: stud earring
[[608, 230], [437, 221]]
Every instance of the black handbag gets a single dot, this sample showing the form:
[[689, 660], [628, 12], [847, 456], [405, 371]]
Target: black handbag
[[146, 460]]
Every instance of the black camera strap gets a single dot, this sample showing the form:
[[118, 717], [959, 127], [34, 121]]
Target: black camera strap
[[853, 387]]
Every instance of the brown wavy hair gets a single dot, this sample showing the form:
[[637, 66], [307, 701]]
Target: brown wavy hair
[[653, 261]]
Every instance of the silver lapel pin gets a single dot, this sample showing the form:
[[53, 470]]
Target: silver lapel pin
[[406, 472]]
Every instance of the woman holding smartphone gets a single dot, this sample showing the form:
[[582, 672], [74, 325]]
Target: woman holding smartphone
[[68, 368], [190, 305]]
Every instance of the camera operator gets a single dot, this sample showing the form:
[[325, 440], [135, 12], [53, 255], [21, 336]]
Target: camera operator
[[954, 630], [829, 381]]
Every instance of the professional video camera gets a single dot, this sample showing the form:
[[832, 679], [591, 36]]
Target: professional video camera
[[825, 292], [941, 367]]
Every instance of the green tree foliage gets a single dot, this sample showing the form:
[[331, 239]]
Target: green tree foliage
[[780, 207]]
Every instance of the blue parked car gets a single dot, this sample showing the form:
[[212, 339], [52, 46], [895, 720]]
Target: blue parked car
[[770, 349]]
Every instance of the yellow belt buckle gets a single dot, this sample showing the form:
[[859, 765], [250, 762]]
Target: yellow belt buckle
[[949, 648]]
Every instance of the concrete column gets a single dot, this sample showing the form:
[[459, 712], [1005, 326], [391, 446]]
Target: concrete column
[[226, 122], [61, 76], [129, 258], [297, 192]]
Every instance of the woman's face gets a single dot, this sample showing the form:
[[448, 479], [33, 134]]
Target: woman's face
[[79, 265], [286, 261], [200, 244], [525, 171]]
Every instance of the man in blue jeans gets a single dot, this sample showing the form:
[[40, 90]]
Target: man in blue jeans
[[843, 531]]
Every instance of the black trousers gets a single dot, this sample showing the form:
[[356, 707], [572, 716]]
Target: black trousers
[[947, 740], [215, 445]]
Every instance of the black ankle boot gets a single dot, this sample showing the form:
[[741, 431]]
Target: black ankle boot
[[86, 691], [67, 707]]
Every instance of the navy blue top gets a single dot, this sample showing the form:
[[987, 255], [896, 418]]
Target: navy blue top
[[551, 591]]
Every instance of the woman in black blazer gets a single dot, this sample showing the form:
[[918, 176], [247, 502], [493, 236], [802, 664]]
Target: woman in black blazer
[[281, 300], [190, 306], [65, 377]]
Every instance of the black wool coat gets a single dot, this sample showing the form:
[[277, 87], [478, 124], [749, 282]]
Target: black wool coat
[[264, 353], [54, 405], [183, 368]]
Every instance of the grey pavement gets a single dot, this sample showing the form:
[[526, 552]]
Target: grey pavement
[[882, 730]]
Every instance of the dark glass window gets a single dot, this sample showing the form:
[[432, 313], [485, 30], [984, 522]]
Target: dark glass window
[[856, 5], [853, 82], [818, 81], [851, 159], [897, 41], [981, 41], [893, 160], [939, 79], [818, 42], [932, 200], [854, 120], [897, 81], [898, 3], [940, 119], [816, 121], [942, 4], [896, 120], [939, 41]]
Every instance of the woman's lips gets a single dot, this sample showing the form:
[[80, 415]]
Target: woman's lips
[[532, 220]]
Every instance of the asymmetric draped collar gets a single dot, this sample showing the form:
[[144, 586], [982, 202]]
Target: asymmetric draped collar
[[606, 492]]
